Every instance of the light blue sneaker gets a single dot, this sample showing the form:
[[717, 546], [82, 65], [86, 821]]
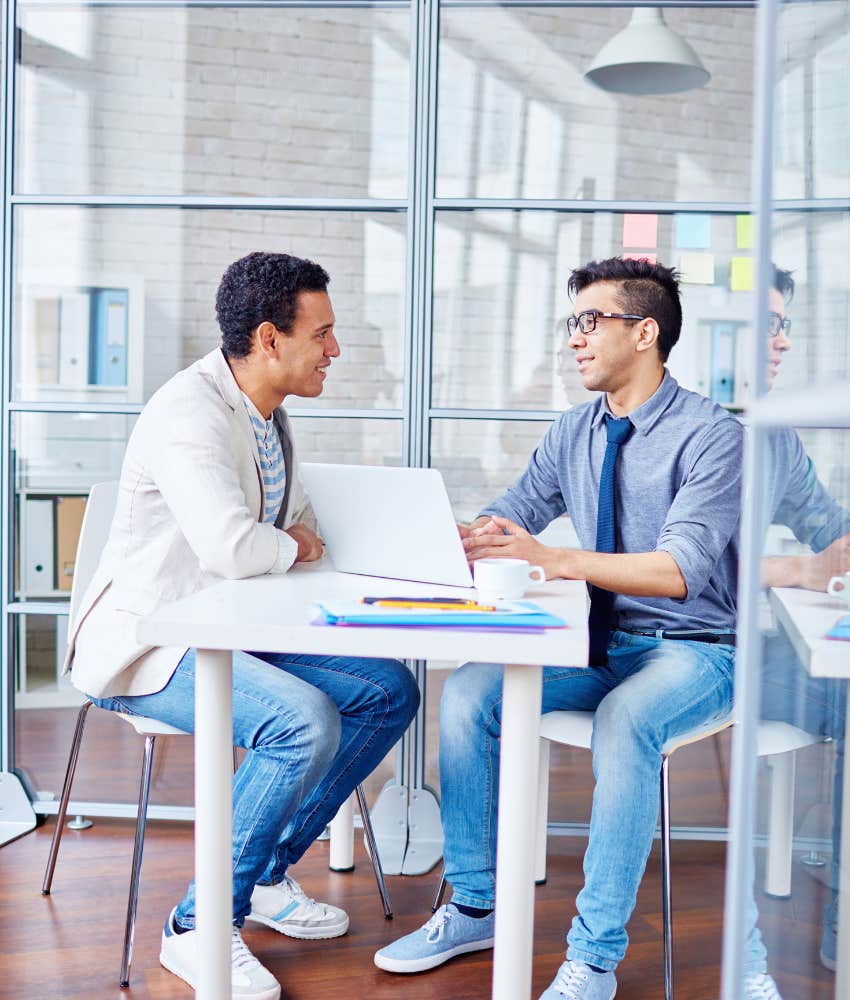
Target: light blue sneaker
[[577, 981], [760, 987], [447, 934]]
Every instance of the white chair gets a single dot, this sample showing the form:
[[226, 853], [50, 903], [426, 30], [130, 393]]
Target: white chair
[[93, 534], [777, 742]]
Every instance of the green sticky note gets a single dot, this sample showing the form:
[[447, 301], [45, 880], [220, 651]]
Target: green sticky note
[[741, 278], [744, 232]]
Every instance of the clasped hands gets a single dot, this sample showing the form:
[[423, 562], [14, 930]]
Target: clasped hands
[[501, 538]]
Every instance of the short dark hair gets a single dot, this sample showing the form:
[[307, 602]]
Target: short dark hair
[[260, 287], [646, 289], [783, 282]]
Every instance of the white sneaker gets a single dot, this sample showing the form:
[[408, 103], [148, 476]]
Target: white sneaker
[[285, 908], [250, 980], [760, 988]]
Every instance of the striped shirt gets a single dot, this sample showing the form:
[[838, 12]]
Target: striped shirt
[[272, 466]]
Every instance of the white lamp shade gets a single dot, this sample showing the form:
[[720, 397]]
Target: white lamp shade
[[647, 57]]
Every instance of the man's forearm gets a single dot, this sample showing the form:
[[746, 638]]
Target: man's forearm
[[781, 571], [639, 574]]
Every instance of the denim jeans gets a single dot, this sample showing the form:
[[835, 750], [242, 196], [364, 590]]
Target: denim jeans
[[817, 705], [649, 691], [314, 728]]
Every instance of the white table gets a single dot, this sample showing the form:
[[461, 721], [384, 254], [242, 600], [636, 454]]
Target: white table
[[806, 616], [273, 613]]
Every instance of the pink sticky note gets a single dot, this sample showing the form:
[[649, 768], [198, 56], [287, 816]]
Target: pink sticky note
[[640, 230], [651, 257]]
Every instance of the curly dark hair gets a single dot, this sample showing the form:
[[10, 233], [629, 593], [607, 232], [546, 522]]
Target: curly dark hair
[[646, 289], [260, 287]]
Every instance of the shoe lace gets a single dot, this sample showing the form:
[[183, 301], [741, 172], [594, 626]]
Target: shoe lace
[[241, 958], [298, 893], [437, 924], [570, 979], [761, 988]]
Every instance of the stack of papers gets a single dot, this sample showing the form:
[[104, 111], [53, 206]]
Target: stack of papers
[[841, 629], [502, 616]]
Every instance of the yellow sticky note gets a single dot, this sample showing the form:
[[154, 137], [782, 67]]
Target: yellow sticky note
[[697, 268], [744, 232], [741, 278]]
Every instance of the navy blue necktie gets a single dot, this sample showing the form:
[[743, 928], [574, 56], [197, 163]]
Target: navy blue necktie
[[602, 601]]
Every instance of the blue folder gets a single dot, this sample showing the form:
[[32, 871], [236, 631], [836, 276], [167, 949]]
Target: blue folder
[[513, 614]]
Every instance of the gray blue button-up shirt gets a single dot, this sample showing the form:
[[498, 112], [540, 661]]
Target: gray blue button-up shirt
[[678, 491]]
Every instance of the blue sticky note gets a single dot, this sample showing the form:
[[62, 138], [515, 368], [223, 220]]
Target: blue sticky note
[[693, 232]]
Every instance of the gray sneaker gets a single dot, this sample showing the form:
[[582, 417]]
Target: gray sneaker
[[447, 934], [577, 981], [760, 988]]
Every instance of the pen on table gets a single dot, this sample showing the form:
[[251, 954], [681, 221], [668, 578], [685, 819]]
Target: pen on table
[[441, 603]]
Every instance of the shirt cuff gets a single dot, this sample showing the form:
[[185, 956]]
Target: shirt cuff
[[287, 550]]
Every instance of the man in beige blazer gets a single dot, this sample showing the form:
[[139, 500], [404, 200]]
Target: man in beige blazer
[[210, 490]]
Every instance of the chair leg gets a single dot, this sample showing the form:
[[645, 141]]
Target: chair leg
[[542, 814], [375, 858], [666, 890], [65, 796], [780, 826], [136, 871], [438, 899]]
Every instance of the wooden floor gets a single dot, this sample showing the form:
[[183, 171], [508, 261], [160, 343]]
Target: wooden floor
[[68, 945]]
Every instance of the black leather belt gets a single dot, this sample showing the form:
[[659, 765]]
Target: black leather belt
[[726, 638]]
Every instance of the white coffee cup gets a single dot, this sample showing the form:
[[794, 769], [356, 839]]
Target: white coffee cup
[[839, 586], [505, 579]]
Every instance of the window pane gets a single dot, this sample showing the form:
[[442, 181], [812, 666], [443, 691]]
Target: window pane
[[812, 155], [110, 303], [500, 301], [479, 459], [348, 441], [287, 102], [518, 119]]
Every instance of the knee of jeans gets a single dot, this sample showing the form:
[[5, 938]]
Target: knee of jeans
[[471, 699], [314, 726], [615, 724], [402, 693]]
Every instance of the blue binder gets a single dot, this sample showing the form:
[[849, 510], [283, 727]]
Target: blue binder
[[108, 340]]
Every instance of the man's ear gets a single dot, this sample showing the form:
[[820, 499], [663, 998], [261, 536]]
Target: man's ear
[[647, 334], [266, 336]]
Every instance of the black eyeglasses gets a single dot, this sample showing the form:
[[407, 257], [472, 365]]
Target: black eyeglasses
[[586, 321], [777, 324]]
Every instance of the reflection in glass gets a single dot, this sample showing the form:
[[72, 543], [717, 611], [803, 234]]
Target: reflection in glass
[[520, 120], [803, 702], [159, 268], [265, 102], [500, 301]]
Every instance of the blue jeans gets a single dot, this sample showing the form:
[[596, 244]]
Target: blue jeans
[[649, 691], [314, 728], [817, 705]]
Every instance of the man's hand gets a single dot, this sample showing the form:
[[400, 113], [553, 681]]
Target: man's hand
[[811, 572], [465, 530], [310, 546], [499, 537]]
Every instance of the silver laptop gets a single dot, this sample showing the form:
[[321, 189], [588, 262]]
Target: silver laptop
[[384, 521]]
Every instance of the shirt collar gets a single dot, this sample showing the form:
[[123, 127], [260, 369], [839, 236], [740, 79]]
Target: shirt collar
[[647, 414], [254, 412]]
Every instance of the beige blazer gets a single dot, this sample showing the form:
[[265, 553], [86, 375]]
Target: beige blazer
[[188, 515]]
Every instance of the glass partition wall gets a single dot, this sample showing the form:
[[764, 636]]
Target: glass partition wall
[[792, 920], [448, 163]]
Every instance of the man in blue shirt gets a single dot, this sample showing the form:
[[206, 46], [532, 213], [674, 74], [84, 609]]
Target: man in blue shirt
[[665, 580]]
